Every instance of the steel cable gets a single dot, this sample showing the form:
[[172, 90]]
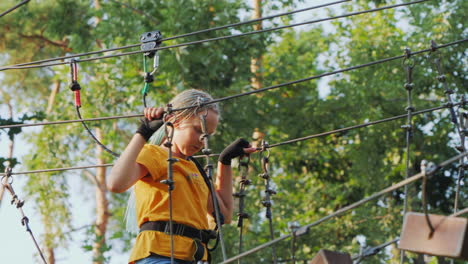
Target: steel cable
[[208, 40]]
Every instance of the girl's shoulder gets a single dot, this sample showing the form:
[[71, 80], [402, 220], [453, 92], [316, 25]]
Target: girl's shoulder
[[155, 149]]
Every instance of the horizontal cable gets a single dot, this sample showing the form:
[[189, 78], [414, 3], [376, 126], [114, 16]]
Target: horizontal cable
[[270, 146], [176, 37], [304, 229], [60, 169], [15, 7], [215, 39]]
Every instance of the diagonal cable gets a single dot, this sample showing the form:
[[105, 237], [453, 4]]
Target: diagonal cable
[[15, 7], [214, 39], [174, 37], [305, 229], [242, 94]]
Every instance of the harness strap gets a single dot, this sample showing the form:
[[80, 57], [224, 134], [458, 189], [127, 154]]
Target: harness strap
[[199, 236]]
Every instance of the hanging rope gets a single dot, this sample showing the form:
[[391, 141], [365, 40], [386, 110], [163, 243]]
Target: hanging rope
[[408, 64], [76, 88], [169, 132], [268, 193], [305, 229], [241, 215], [213, 39], [459, 126], [7, 182], [209, 172]]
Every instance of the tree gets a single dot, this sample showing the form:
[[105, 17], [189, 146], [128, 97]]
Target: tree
[[313, 178]]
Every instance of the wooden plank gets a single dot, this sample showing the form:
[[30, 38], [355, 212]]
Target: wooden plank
[[450, 238], [331, 257]]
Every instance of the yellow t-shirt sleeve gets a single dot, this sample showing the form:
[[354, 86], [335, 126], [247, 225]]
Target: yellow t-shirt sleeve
[[154, 160]]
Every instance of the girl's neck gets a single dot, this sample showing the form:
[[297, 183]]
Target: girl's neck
[[175, 152]]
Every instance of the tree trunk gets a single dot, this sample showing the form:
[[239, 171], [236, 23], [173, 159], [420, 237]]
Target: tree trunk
[[50, 255], [52, 96], [11, 147], [256, 63], [102, 214]]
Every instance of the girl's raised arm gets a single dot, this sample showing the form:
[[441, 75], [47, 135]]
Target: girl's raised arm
[[126, 170]]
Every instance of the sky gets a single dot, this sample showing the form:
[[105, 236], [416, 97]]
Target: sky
[[16, 245]]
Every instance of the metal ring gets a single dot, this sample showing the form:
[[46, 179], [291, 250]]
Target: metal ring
[[169, 135]]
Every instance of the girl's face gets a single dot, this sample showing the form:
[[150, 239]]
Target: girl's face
[[187, 141]]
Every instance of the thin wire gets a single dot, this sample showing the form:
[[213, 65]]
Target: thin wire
[[245, 93], [15, 7], [392, 188], [94, 137], [175, 37], [408, 62], [356, 126], [318, 76], [207, 40], [269, 146], [71, 121]]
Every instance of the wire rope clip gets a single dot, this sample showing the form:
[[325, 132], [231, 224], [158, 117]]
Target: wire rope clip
[[450, 238], [331, 257], [150, 41]]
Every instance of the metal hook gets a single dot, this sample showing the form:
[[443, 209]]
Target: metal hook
[[155, 63]]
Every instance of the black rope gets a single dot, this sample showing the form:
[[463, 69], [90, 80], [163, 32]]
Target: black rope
[[241, 215], [7, 182], [319, 76], [269, 146], [459, 126], [211, 39], [169, 131], [357, 126], [175, 37], [15, 7], [408, 64], [424, 169], [245, 93], [305, 229], [265, 162], [94, 137], [209, 173]]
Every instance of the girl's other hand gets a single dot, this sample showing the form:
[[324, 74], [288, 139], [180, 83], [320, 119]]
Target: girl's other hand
[[154, 113]]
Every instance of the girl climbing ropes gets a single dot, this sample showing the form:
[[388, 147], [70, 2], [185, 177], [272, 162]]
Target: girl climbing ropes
[[146, 167]]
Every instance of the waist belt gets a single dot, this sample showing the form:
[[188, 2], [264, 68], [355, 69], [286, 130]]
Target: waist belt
[[199, 236]]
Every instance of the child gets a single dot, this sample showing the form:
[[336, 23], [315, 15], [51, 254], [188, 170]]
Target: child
[[145, 166]]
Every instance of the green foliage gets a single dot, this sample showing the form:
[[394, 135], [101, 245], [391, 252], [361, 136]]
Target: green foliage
[[313, 178]]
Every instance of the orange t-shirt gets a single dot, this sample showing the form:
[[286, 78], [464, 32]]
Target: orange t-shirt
[[189, 200]]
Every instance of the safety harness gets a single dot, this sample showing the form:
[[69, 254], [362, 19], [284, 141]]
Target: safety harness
[[199, 236]]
